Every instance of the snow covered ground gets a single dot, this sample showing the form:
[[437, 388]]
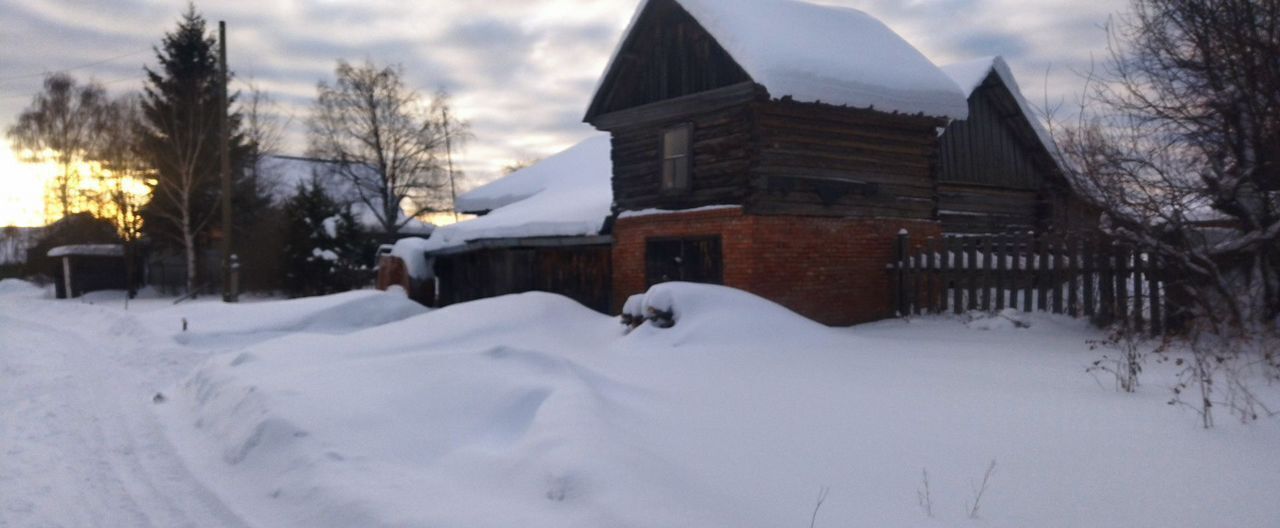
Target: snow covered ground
[[362, 409]]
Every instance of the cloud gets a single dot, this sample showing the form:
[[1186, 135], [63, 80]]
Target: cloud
[[521, 71]]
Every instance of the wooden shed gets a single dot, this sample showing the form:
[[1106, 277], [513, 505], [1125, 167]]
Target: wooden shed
[[84, 268], [542, 228]]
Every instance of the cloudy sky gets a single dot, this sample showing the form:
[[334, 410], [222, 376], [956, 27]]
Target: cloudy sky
[[521, 71]]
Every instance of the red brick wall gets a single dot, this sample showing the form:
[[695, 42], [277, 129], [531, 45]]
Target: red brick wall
[[831, 270]]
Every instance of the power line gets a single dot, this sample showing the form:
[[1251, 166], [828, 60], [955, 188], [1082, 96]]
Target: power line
[[73, 68], [15, 95]]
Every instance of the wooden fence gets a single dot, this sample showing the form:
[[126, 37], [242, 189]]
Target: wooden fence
[[1073, 274]]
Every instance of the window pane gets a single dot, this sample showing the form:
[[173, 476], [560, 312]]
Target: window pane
[[681, 179], [668, 174], [676, 142]]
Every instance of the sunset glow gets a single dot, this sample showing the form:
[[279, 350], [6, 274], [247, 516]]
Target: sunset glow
[[26, 187], [22, 189]]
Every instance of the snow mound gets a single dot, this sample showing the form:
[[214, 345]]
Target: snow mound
[[531, 410], [353, 430], [218, 324], [20, 288], [711, 314]]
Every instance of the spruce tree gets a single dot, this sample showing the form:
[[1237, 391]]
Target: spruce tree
[[325, 248], [179, 139]]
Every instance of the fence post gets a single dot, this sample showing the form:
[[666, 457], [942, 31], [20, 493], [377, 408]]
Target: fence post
[[955, 250], [938, 286], [1001, 280], [971, 269], [900, 257], [1139, 313], [985, 274], [1087, 248], [1028, 268], [1106, 283], [1153, 290], [1072, 247]]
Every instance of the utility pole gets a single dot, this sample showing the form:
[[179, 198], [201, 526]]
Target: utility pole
[[448, 156], [228, 288]]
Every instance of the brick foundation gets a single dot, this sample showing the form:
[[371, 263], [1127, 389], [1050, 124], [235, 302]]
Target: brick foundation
[[832, 270]]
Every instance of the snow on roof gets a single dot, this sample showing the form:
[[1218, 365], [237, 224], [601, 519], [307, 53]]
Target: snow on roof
[[570, 194], [286, 173], [530, 180], [834, 55], [971, 74], [88, 250], [413, 252]]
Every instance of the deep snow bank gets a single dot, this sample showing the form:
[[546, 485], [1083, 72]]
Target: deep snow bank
[[531, 410], [227, 325], [18, 288]]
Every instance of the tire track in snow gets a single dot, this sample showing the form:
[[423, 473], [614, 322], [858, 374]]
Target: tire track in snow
[[80, 443]]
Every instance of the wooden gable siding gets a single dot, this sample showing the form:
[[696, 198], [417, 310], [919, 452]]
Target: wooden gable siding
[[821, 160], [992, 168], [666, 55], [984, 149]]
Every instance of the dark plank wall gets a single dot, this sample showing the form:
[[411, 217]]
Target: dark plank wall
[[721, 147], [582, 273], [992, 170], [986, 148], [822, 160], [986, 209]]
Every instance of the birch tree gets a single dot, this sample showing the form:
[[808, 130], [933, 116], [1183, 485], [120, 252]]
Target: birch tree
[[385, 142], [179, 138]]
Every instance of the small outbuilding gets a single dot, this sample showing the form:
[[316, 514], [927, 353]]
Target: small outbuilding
[[542, 228], [84, 268]]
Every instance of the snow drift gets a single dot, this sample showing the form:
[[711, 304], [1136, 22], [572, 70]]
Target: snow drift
[[531, 410]]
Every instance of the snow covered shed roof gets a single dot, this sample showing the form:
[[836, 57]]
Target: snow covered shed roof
[[972, 74], [568, 194], [88, 250], [585, 157], [816, 53]]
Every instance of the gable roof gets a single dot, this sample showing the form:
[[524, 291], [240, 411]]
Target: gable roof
[[973, 74], [568, 194], [813, 53]]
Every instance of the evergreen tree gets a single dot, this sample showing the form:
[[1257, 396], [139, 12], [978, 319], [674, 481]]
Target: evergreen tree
[[179, 139], [325, 249]]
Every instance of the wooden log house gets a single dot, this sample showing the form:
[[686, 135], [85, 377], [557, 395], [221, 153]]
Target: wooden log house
[[750, 145], [817, 127]]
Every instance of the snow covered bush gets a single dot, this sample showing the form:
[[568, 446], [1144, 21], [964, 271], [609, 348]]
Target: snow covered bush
[[325, 248]]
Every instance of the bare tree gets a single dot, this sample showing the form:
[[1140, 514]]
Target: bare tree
[[263, 132], [61, 119], [1179, 144], [124, 178], [125, 175], [384, 140]]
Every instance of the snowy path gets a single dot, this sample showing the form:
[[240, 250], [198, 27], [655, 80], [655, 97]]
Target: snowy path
[[79, 442]]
